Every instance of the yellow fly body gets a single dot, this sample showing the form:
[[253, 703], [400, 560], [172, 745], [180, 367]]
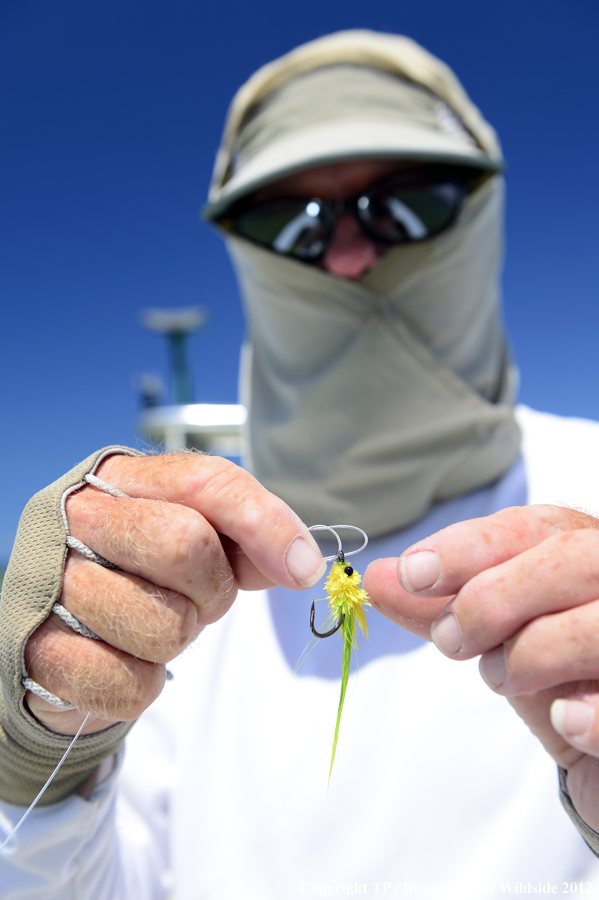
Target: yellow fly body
[[346, 598], [345, 595]]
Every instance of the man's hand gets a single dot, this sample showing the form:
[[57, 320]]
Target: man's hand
[[520, 589], [193, 531]]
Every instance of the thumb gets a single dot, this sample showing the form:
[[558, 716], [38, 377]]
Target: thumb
[[415, 614]]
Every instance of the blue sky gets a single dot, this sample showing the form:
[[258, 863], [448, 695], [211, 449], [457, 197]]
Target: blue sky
[[111, 114]]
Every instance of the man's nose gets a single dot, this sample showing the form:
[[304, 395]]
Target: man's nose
[[351, 253]]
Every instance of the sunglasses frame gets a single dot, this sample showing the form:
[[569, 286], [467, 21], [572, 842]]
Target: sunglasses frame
[[467, 179]]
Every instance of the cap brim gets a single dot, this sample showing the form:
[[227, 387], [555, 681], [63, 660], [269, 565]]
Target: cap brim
[[344, 141]]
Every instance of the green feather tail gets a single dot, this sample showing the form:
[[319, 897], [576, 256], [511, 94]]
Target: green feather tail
[[348, 640]]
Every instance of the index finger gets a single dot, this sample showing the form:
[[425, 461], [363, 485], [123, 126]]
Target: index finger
[[441, 564], [271, 535]]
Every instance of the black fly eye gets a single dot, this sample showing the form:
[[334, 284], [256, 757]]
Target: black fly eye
[[348, 571]]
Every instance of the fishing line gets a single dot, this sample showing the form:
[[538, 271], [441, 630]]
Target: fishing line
[[47, 784]]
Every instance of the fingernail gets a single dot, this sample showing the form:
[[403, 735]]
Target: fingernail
[[419, 570], [305, 563], [572, 718], [446, 634], [492, 667]]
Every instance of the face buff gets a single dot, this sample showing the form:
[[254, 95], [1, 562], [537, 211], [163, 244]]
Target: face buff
[[372, 400]]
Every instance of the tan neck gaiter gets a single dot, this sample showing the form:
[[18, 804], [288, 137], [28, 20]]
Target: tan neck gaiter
[[370, 401]]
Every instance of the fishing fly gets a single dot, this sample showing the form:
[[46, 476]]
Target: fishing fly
[[346, 601]]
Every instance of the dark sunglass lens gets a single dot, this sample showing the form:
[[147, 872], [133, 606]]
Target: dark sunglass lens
[[411, 213], [293, 228]]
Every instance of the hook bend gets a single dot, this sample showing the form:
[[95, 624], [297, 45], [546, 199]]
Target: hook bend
[[325, 634]]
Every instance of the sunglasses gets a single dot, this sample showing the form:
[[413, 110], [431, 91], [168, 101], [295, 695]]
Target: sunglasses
[[408, 207]]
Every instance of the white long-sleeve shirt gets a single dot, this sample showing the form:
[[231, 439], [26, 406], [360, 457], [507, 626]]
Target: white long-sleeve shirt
[[437, 787]]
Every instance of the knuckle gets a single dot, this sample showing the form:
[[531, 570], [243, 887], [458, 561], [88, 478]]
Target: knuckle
[[574, 551], [191, 538], [152, 534], [84, 506], [580, 537], [578, 636], [234, 489], [588, 539], [217, 603], [163, 476], [480, 607], [80, 576], [114, 685], [536, 523], [230, 489], [161, 630], [44, 649], [95, 677], [130, 613], [205, 572], [215, 474], [516, 522], [137, 683], [117, 466]]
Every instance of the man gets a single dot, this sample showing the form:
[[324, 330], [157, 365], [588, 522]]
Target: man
[[360, 193]]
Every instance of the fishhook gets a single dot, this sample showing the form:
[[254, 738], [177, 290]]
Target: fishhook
[[338, 557], [326, 633]]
